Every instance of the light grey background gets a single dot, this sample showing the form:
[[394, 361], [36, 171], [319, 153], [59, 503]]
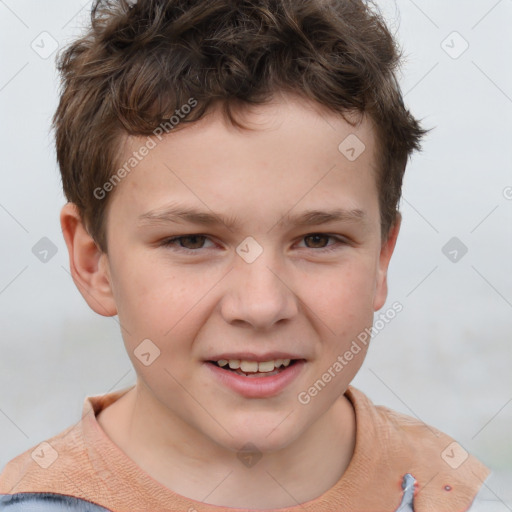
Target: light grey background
[[446, 358]]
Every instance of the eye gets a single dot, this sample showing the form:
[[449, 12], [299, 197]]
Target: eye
[[315, 237], [195, 241]]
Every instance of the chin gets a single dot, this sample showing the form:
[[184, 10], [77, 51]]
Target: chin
[[267, 436]]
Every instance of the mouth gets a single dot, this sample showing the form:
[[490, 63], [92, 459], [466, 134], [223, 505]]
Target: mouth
[[249, 378], [255, 369]]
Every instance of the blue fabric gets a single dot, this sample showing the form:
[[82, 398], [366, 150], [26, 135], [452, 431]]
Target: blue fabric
[[50, 502], [407, 504], [486, 500], [46, 502]]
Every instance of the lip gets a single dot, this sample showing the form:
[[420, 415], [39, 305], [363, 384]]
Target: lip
[[251, 356], [257, 387]]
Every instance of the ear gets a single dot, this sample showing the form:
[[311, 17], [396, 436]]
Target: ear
[[88, 264], [387, 248]]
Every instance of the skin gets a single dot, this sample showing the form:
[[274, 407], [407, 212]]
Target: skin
[[179, 424]]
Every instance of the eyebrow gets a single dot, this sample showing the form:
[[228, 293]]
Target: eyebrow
[[179, 214]]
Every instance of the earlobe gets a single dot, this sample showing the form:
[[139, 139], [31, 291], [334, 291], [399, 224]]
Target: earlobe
[[87, 263], [387, 248]]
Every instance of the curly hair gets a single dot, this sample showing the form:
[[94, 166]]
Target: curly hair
[[139, 63]]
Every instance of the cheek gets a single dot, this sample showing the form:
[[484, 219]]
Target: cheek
[[158, 300], [341, 305], [149, 292], [347, 290], [160, 304]]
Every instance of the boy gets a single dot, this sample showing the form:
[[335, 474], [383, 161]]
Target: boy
[[206, 148]]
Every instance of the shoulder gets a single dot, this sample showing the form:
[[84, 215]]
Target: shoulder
[[39, 468], [403, 434], [46, 502], [448, 477]]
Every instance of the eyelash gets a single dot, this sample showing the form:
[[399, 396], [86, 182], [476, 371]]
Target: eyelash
[[170, 242]]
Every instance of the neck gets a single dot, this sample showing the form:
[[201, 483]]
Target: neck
[[193, 465]]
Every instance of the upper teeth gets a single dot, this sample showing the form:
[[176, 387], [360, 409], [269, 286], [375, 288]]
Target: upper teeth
[[254, 366]]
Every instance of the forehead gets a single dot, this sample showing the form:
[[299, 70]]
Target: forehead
[[295, 152]]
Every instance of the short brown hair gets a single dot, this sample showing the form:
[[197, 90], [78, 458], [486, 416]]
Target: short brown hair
[[140, 62]]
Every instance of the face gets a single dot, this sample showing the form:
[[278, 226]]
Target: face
[[247, 281]]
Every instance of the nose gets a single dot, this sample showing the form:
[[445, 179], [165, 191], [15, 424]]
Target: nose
[[259, 294]]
